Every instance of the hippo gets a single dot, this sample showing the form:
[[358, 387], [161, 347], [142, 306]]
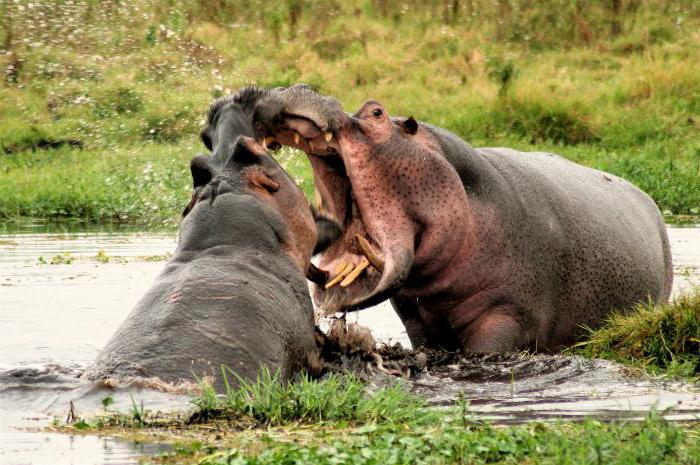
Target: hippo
[[234, 115], [480, 249], [234, 293]]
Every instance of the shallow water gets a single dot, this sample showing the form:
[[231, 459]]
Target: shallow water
[[55, 318]]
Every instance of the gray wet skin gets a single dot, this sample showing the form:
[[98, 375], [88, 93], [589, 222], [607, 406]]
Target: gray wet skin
[[485, 249], [234, 292]]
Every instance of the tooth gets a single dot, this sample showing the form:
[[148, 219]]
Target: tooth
[[369, 252], [328, 135], [340, 267], [318, 200], [350, 278], [264, 142], [348, 268], [296, 137], [311, 145]]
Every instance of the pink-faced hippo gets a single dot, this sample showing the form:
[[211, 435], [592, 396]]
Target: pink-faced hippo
[[484, 249]]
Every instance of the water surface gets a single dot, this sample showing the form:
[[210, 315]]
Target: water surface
[[55, 318]]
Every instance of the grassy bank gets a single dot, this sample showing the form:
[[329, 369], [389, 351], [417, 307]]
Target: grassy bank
[[337, 420], [101, 105], [659, 339]]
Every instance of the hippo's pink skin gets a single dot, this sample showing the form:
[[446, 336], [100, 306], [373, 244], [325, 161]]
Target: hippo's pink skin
[[488, 250]]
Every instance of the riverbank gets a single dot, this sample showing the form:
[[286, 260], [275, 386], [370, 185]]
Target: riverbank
[[339, 420], [100, 114]]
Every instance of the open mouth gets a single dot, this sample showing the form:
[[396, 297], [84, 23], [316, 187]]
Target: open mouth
[[350, 270]]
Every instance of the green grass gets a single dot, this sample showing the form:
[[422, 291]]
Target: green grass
[[658, 338], [269, 401], [651, 441], [341, 420], [617, 89]]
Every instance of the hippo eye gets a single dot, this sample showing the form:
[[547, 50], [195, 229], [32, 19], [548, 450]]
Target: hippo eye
[[377, 113]]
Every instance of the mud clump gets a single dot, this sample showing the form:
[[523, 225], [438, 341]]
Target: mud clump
[[351, 348], [347, 348]]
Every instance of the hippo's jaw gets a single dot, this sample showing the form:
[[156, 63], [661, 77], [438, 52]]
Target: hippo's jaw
[[369, 261]]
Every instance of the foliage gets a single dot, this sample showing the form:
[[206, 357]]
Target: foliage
[[101, 105], [659, 338], [270, 401], [650, 441]]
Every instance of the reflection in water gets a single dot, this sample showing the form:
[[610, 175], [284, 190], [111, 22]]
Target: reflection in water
[[21, 447], [55, 318]]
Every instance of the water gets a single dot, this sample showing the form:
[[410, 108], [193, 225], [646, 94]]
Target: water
[[55, 318]]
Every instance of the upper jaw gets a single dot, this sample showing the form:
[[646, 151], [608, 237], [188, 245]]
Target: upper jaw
[[299, 117], [355, 272]]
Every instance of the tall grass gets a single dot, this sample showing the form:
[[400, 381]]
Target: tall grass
[[270, 401], [614, 85], [659, 338]]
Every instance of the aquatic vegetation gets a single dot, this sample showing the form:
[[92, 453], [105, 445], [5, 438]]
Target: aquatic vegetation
[[651, 441], [334, 398], [659, 338], [64, 258], [340, 419]]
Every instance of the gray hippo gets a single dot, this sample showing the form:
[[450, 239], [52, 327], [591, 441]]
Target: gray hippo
[[233, 116], [234, 292], [484, 249]]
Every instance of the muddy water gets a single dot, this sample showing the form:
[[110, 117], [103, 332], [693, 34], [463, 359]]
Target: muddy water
[[54, 318]]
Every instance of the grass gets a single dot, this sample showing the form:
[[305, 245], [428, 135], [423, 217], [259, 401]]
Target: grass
[[652, 441], [100, 107], [338, 420], [340, 400], [658, 338], [269, 401]]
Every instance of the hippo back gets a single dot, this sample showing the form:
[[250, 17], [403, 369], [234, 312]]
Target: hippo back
[[587, 240]]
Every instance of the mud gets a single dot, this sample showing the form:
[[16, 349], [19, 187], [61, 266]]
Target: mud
[[512, 388]]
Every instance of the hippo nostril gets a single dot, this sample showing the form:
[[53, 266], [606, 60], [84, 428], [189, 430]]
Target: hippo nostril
[[377, 113]]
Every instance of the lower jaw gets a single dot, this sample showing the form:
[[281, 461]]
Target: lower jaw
[[333, 300]]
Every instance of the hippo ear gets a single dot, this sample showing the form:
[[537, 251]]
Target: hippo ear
[[201, 170], [243, 153], [205, 135], [410, 126]]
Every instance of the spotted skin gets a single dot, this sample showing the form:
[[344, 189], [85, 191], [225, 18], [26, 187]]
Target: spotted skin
[[485, 249]]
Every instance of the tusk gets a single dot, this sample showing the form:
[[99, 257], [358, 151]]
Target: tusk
[[369, 252], [350, 278], [318, 200], [340, 267], [296, 137], [311, 145], [328, 135], [317, 275], [346, 270]]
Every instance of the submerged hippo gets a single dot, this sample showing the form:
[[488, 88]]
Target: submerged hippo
[[486, 249], [234, 292]]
